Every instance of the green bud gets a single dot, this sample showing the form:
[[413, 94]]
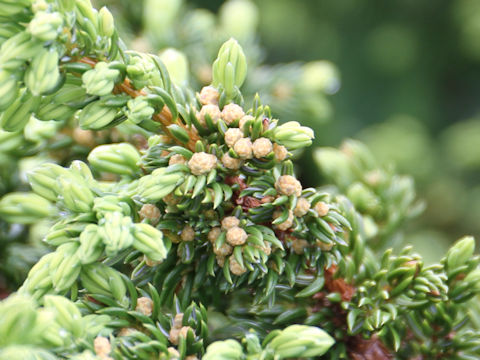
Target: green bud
[[10, 141], [58, 237], [43, 75], [106, 27], [82, 170], [38, 276], [8, 89], [293, 136], [56, 112], [139, 110], [228, 349], [96, 324], [98, 278], [59, 255], [46, 26], [91, 245], [69, 93], [37, 131], [159, 184], [177, 65], [100, 80], [86, 10], [24, 208], [67, 314], [300, 341], [56, 108], [110, 203], [239, 19], [89, 26], [252, 343], [95, 278], [230, 68], [76, 195], [54, 335], [96, 115], [116, 231], [460, 253], [18, 48], [43, 180], [149, 241], [63, 232], [19, 320], [119, 159], [179, 133], [142, 71], [18, 113], [65, 266]]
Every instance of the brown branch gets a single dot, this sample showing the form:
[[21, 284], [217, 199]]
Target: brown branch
[[338, 285], [87, 60], [358, 348], [367, 349], [164, 117]]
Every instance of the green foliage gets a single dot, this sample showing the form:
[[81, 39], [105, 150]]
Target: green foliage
[[185, 232]]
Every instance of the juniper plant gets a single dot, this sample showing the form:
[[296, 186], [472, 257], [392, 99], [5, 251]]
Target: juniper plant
[[194, 32], [190, 236]]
